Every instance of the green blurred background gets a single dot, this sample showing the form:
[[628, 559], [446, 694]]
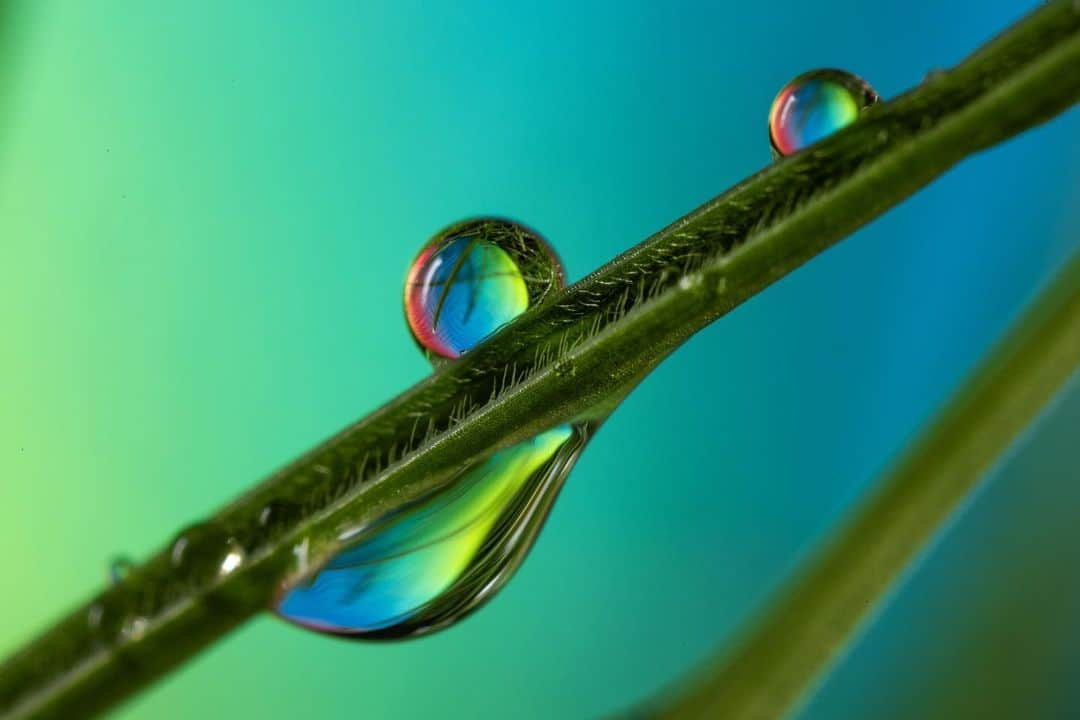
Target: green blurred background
[[206, 212]]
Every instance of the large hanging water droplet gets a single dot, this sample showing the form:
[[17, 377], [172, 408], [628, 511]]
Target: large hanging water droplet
[[815, 105], [474, 277], [429, 565]]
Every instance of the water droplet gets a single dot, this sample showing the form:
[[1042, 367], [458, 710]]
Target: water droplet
[[278, 512], [426, 567], [134, 628], [119, 568], [815, 105], [206, 548], [474, 277], [104, 617]]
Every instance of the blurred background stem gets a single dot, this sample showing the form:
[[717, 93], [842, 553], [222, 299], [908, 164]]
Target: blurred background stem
[[771, 669]]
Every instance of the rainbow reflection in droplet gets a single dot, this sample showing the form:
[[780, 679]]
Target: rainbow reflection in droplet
[[473, 278], [814, 106], [428, 566]]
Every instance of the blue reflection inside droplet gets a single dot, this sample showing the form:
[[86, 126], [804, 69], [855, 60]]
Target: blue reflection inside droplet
[[387, 574]]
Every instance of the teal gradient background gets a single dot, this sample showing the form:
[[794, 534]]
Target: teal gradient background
[[206, 212]]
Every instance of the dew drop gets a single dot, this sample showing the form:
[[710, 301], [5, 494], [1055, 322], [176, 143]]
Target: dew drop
[[94, 615], [206, 549], [815, 105], [120, 567], [105, 617], [474, 277], [134, 628], [429, 565], [277, 513]]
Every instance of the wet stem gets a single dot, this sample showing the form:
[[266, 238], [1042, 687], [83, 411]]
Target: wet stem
[[573, 358]]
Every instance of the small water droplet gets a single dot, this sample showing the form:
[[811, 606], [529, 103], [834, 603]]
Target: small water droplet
[[134, 628], [206, 549], [278, 512], [474, 277], [428, 566], [815, 105], [104, 617], [194, 539], [119, 568]]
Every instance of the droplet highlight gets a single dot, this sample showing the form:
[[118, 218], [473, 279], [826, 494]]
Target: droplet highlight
[[473, 278], [134, 628], [815, 105], [428, 566]]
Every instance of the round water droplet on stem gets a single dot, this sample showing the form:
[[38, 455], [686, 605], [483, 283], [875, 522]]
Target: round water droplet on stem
[[276, 513], [815, 105], [232, 559], [471, 279], [206, 549]]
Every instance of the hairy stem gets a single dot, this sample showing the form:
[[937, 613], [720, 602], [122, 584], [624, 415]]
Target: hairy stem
[[574, 357]]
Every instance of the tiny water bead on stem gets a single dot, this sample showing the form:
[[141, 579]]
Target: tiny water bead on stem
[[428, 565], [815, 105], [474, 277]]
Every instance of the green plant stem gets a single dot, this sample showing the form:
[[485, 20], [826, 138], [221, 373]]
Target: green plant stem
[[573, 357], [820, 613]]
